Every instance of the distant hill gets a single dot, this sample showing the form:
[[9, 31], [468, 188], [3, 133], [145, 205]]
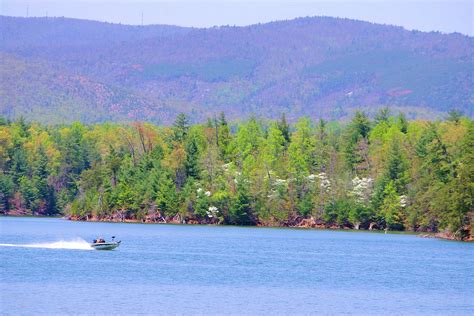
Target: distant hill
[[60, 70]]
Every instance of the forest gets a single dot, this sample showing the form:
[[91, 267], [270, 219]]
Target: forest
[[381, 172], [61, 70]]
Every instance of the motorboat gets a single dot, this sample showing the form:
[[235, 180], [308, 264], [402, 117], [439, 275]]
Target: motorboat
[[101, 244]]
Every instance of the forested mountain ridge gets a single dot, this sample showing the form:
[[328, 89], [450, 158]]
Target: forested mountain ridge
[[320, 67], [387, 173]]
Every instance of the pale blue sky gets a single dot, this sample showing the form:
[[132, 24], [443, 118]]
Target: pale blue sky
[[443, 15]]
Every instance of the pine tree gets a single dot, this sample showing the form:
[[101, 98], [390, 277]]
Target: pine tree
[[274, 149], [113, 163], [402, 123], [180, 128], [19, 164], [457, 196], [224, 137], [322, 152], [356, 148], [454, 116], [6, 191], [396, 172], [167, 198], [397, 167], [383, 115], [241, 211], [41, 173], [284, 128], [391, 208], [192, 158], [29, 193], [302, 148], [40, 181], [433, 150]]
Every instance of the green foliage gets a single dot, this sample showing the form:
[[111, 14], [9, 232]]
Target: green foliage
[[454, 116], [261, 174], [391, 208], [337, 212], [167, 198], [241, 211], [357, 142], [360, 215], [224, 137], [402, 123], [180, 128], [301, 149], [192, 158], [6, 191], [29, 193], [284, 128], [19, 164], [383, 115]]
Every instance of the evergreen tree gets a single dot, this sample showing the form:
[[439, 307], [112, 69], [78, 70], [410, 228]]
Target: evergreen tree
[[201, 208], [113, 162], [322, 151], [360, 125], [402, 123], [29, 193], [397, 167], [391, 208], [437, 160], [41, 173], [301, 149], [395, 173], [224, 137], [457, 196], [192, 158], [357, 143], [23, 127], [6, 191], [222, 119], [75, 155], [274, 150], [19, 164], [180, 128], [167, 198], [360, 215], [383, 115], [241, 211], [454, 116], [3, 121], [284, 128]]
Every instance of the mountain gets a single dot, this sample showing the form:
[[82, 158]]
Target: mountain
[[59, 70]]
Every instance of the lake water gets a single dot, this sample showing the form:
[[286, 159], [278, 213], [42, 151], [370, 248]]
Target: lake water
[[47, 267]]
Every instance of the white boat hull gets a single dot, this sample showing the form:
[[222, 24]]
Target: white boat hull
[[105, 245]]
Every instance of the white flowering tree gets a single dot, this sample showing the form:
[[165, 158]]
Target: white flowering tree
[[362, 190]]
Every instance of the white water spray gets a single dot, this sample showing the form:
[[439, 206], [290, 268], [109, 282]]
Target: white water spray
[[78, 243]]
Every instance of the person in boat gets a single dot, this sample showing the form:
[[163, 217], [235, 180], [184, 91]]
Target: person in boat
[[98, 241]]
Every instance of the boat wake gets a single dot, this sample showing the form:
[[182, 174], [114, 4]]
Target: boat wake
[[79, 244]]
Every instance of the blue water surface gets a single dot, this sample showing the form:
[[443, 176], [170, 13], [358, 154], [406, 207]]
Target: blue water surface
[[179, 269]]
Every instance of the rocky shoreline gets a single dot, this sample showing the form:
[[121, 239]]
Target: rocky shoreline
[[307, 223], [304, 223]]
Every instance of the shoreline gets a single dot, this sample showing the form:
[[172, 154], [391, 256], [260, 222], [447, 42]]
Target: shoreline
[[421, 234]]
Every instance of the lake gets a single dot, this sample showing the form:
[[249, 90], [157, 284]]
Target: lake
[[47, 267]]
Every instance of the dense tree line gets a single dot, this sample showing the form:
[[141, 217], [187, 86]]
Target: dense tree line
[[383, 173]]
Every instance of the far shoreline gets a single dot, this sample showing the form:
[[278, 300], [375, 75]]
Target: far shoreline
[[421, 234]]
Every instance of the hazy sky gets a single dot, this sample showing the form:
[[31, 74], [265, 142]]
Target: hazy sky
[[442, 15]]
